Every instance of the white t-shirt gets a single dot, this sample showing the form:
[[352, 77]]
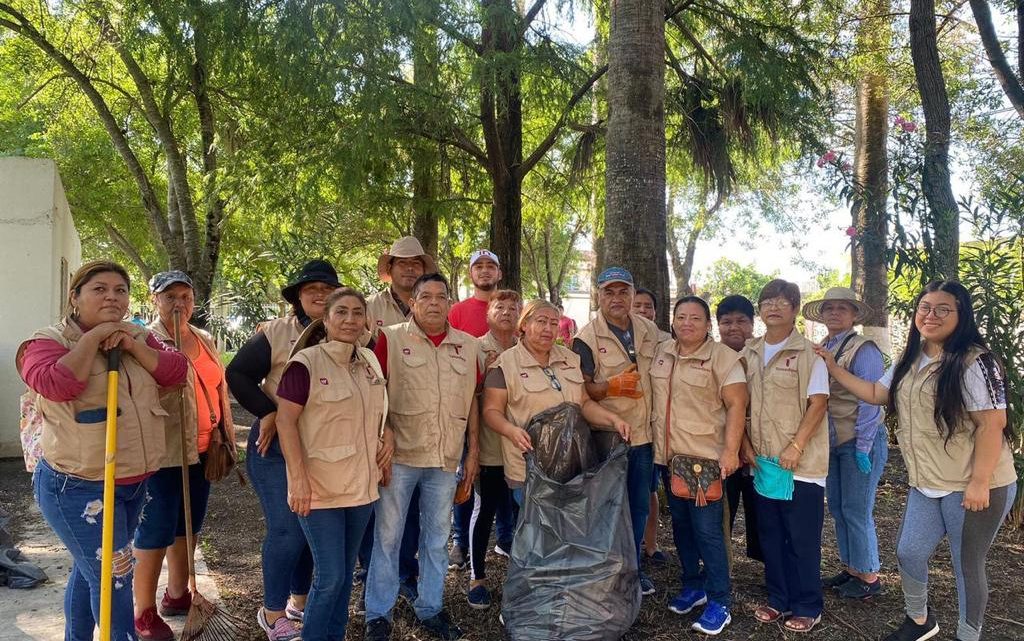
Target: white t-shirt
[[978, 396], [818, 384]]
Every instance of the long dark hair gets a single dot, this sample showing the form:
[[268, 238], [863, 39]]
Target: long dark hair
[[950, 407]]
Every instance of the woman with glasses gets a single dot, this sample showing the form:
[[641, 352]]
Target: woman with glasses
[[533, 376], [948, 392], [787, 447]]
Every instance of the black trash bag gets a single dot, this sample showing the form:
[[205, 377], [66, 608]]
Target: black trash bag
[[17, 573], [572, 574], [562, 446]]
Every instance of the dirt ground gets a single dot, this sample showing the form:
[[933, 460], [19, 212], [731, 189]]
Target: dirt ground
[[234, 534]]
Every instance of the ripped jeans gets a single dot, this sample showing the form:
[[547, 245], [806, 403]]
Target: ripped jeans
[[73, 508]]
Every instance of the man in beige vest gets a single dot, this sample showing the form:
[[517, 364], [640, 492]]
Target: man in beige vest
[[432, 375], [789, 389], [616, 349], [399, 267]]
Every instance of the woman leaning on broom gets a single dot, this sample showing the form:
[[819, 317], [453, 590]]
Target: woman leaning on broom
[[332, 400], [66, 365]]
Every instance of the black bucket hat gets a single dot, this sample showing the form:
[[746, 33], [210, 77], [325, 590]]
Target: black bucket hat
[[315, 271]]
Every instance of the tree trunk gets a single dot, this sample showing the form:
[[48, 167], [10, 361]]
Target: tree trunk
[[869, 264], [635, 222], [943, 213], [502, 120], [1010, 83], [426, 156]]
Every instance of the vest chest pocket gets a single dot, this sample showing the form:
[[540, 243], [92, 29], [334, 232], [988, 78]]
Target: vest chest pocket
[[332, 392], [534, 381], [610, 357], [410, 392], [333, 453]]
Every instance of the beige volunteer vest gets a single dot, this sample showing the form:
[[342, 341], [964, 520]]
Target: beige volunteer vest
[[78, 448], [430, 391], [778, 401], [842, 404], [171, 404], [340, 424], [382, 311], [610, 358], [932, 462], [530, 392], [490, 441], [281, 333], [698, 413]]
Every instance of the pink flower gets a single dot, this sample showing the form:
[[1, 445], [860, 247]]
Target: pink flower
[[851, 231], [828, 157], [899, 121], [847, 166], [908, 126]]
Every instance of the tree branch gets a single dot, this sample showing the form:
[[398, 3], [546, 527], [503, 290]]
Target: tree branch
[[528, 18], [675, 11], [129, 250], [996, 56], [697, 45], [35, 92], [552, 136]]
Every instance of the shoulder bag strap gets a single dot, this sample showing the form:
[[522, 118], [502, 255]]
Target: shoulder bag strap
[[668, 414]]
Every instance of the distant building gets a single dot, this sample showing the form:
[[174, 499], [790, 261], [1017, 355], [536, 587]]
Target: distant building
[[39, 250]]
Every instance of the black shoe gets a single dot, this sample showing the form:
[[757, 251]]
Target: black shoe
[[837, 580], [911, 631], [458, 558], [442, 627], [856, 588], [378, 630]]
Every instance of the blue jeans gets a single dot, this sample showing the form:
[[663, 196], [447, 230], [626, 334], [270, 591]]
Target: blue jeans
[[287, 561], [638, 488], [790, 534], [408, 566], [437, 489], [73, 508], [334, 535], [851, 501], [163, 518], [699, 535]]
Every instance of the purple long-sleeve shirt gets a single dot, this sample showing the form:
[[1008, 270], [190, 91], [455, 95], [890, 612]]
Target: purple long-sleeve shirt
[[867, 364]]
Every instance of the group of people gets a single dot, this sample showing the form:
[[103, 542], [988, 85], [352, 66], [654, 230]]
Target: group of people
[[375, 416]]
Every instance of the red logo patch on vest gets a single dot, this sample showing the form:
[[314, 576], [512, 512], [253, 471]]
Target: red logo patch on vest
[[523, 375], [323, 381], [602, 350], [406, 351], [380, 322]]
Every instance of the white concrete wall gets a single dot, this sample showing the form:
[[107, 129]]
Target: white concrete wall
[[37, 233]]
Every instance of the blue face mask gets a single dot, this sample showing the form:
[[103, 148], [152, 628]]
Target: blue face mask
[[771, 480]]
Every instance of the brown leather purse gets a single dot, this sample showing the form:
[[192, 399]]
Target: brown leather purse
[[692, 477], [221, 456]]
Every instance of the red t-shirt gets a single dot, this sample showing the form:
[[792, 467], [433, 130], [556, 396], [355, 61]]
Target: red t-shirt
[[380, 348], [469, 316]]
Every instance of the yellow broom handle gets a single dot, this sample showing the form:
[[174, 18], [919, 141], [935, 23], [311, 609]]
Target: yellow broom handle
[[109, 467]]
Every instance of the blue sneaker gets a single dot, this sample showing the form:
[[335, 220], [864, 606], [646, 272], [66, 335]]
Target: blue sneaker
[[713, 619], [479, 598], [687, 600], [647, 585]]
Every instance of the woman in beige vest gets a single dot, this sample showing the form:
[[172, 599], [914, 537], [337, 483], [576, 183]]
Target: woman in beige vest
[[699, 406], [948, 392], [66, 366], [527, 379], [206, 408], [331, 405], [253, 376]]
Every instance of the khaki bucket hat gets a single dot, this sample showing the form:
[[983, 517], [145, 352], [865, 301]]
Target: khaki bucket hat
[[812, 310], [404, 247]]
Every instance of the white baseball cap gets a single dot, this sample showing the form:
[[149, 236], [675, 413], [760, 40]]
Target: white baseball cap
[[483, 253]]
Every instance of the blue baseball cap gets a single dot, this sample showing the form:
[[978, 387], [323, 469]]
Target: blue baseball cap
[[160, 282], [614, 275]]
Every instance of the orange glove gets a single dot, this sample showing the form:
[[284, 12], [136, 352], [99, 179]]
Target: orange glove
[[626, 384]]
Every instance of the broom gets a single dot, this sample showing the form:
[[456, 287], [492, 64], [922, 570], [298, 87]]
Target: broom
[[205, 622], [109, 467]]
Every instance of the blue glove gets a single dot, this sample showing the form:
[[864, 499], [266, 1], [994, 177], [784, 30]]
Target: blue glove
[[864, 462]]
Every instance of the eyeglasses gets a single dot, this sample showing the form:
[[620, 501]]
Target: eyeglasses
[[940, 311], [775, 303], [555, 385]]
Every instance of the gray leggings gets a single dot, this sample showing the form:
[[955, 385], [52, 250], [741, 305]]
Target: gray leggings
[[970, 535]]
